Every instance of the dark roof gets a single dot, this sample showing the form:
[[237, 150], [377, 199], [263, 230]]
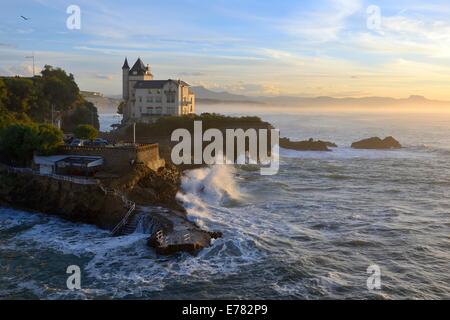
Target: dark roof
[[125, 64], [155, 84], [138, 67]]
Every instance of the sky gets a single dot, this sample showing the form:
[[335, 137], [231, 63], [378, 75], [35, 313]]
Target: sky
[[340, 48]]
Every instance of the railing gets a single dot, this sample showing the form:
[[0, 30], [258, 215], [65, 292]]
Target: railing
[[19, 170], [128, 204], [86, 181], [123, 145], [77, 180], [124, 221]]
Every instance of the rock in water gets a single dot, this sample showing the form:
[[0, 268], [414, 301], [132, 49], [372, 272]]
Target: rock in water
[[377, 143], [307, 145]]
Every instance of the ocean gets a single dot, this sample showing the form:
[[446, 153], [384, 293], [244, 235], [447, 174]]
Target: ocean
[[309, 232]]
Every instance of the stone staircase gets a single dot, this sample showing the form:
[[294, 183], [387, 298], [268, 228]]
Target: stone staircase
[[130, 226], [129, 216]]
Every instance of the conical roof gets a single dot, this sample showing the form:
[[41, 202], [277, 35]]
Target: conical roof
[[125, 64], [138, 68]]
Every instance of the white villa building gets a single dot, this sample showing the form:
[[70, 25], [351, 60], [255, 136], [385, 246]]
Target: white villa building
[[146, 99]]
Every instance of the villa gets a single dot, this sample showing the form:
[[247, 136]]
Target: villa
[[147, 99]]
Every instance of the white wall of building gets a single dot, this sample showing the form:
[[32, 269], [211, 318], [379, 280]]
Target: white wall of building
[[172, 99]]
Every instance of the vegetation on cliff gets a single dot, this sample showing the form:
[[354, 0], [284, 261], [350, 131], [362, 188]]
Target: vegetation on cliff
[[36, 98], [19, 141], [307, 145], [164, 126]]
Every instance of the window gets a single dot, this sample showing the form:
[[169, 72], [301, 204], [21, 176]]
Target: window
[[158, 99], [140, 99], [170, 96]]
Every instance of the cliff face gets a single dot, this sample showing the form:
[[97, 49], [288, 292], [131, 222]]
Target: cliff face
[[145, 186], [75, 202]]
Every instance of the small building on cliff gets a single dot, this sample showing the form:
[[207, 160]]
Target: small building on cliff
[[68, 165], [119, 159], [87, 161]]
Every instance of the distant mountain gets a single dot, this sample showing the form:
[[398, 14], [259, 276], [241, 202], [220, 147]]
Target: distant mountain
[[364, 101], [206, 96]]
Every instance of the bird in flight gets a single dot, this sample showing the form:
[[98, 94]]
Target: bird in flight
[[25, 18]]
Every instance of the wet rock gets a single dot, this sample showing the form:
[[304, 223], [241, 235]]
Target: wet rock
[[215, 234], [183, 236], [307, 145], [377, 143]]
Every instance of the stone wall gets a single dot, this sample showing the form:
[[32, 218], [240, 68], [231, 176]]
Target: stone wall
[[120, 159]]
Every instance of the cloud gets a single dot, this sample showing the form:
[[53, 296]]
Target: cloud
[[191, 74], [8, 45], [25, 31], [407, 35], [104, 76], [324, 24], [23, 70]]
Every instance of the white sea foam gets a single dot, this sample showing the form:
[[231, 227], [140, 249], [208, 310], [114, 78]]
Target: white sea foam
[[213, 186]]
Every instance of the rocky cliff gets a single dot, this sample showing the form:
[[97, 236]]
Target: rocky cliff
[[75, 202], [152, 192]]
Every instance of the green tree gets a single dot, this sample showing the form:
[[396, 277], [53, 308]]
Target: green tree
[[53, 90], [60, 88], [2, 94], [49, 139], [86, 131], [18, 142], [20, 94]]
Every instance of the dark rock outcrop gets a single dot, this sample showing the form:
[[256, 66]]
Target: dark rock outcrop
[[377, 143], [145, 186], [307, 145], [178, 234]]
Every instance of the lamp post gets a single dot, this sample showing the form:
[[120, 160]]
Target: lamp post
[[31, 57], [134, 133]]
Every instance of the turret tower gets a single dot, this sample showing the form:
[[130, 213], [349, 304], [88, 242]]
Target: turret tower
[[125, 80]]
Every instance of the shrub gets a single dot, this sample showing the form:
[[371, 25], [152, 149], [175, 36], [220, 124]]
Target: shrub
[[19, 141], [86, 131]]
